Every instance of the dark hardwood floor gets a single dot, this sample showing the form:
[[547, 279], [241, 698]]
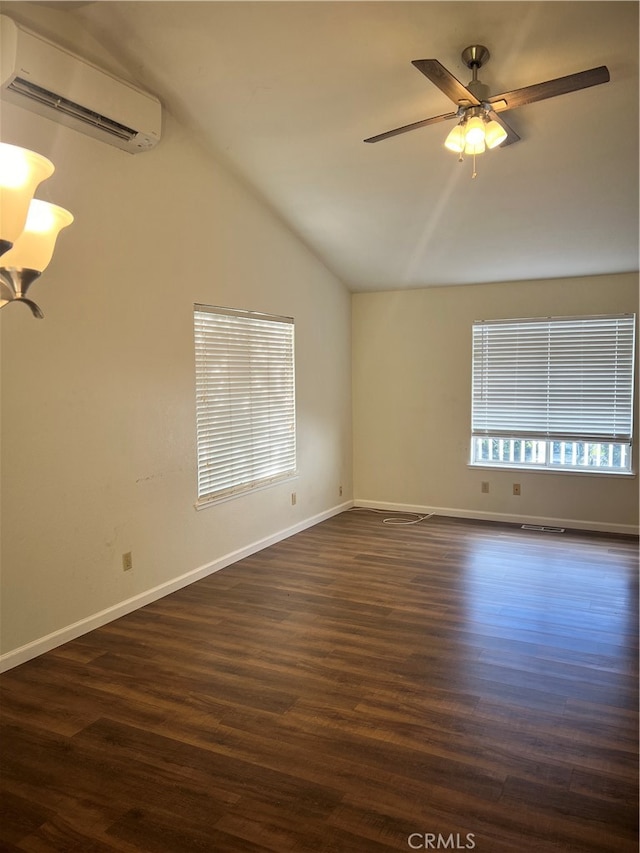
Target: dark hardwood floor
[[357, 688]]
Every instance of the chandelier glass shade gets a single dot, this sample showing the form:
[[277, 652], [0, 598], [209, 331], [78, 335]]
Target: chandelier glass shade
[[34, 247], [20, 173]]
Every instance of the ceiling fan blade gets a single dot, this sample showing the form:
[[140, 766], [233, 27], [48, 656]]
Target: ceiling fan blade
[[416, 124], [512, 136], [445, 81], [551, 88]]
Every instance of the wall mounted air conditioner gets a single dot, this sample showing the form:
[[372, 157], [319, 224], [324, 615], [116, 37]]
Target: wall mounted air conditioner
[[40, 76]]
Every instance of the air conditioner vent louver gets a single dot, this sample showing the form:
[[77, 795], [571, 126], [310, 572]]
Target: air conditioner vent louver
[[69, 108]]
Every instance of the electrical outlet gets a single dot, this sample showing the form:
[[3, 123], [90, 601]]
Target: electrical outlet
[[484, 488], [127, 562], [294, 499], [516, 488]]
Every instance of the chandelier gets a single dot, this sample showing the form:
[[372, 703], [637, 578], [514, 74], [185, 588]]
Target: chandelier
[[28, 227]]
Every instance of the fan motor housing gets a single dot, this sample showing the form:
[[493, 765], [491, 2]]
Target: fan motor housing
[[480, 90]]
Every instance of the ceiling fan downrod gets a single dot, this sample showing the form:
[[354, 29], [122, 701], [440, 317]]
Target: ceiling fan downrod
[[474, 57]]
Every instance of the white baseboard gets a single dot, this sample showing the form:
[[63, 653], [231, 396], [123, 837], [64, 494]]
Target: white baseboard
[[572, 523], [83, 626]]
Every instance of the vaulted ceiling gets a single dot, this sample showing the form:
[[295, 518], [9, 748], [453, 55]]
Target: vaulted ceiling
[[285, 93]]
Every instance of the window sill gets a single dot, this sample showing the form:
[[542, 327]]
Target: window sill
[[205, 503], [588, 472]]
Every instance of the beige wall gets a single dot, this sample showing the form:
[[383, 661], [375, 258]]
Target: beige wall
[[412, 404], [98, 429]]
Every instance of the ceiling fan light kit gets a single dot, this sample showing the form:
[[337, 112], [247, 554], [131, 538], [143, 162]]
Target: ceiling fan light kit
[[479, 127], [474, 134]]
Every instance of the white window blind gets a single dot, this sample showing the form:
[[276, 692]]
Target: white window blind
[[245, 400], [556, 378]]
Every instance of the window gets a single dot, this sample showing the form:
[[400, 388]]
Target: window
[[554, 393], [245, 401]]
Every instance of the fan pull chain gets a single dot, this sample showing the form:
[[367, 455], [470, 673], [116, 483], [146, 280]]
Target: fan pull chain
[[474, 174]]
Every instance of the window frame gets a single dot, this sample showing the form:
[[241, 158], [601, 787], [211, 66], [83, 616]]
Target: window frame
[[530, 378], [245, 400]]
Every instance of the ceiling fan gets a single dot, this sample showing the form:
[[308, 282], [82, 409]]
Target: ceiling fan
[[478, 112]]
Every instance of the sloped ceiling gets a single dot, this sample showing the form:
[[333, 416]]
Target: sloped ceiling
[[285, 92]]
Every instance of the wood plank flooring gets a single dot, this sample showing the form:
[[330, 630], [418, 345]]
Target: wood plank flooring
[[357, 688]]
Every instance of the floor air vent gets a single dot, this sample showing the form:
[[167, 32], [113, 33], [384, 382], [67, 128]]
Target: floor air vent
[[542, 528]]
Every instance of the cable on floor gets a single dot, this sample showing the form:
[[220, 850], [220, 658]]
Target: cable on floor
[[395, 520]]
